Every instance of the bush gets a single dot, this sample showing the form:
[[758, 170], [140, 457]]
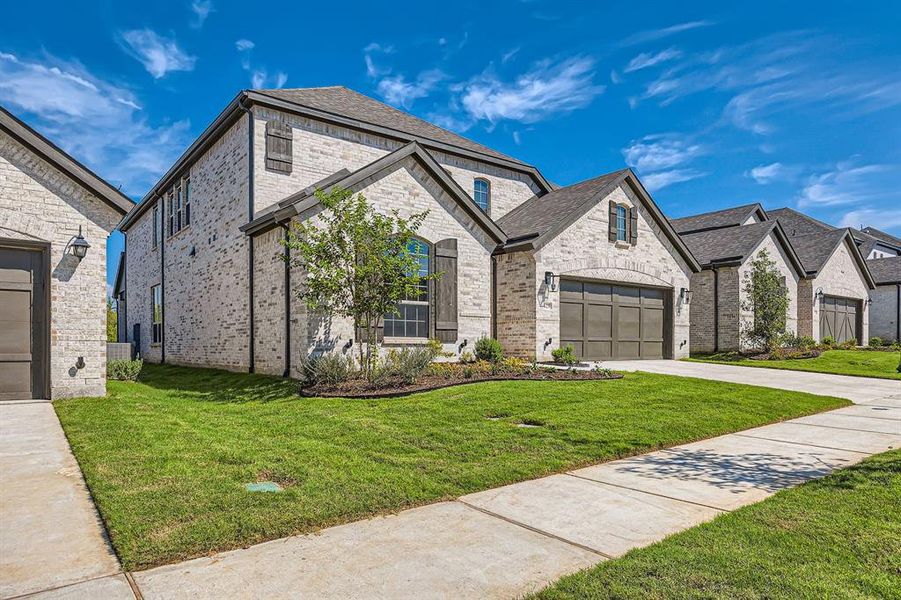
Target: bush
[[876, 341], [849, 344], [801, 342], [467, 357], [828, 341], [565, 355], [329, 369], [408, 364], [124, 370], [489, 349]]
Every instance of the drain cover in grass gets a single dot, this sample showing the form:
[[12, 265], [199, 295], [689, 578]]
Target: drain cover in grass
[[263, 486]]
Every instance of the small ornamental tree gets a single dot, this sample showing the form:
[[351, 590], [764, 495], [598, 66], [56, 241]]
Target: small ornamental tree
[[357, 263], [767, 298], [112, 322]]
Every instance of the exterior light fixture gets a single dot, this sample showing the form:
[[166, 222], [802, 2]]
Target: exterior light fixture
[[549, 280], [685, 294], [78, 245]]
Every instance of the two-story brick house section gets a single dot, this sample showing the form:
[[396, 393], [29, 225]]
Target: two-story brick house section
[[206, 285]]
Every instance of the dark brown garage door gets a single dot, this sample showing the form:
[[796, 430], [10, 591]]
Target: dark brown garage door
[[838, 318], [608, 321], [22, 324]]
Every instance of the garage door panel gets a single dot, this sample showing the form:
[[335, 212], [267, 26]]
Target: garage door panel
[[628, 323], [578, 347], [571, 320], [652, 324], [628, 350], [652, 298], [598, 292], [838, 318], [599, 350], [21, 324], [599, 324], [652, 349], [627, 295], [570, 290]]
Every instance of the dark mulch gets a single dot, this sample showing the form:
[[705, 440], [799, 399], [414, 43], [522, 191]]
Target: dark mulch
[[360, 388], [785, 355]]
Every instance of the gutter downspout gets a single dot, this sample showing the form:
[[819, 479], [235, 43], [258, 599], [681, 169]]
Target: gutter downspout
[[250, 311], [287, 304], [898, 309], [716, 309], [162, 235], [493, 297]]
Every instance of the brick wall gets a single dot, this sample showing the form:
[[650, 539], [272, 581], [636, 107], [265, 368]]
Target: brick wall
[[269, 302], [583, 250], [885, 312], [516, 293], [39, 202], [703, 323]]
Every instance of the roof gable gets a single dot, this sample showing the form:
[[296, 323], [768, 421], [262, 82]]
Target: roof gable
[[883, 236], [798, 224], [733, 247], [719, 219], [539, 220], [815, 250], [50, 152], [305, 200], [885, 271]]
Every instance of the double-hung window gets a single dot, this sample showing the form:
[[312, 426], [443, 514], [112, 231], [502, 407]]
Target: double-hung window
[[481, 193], [170, 214], [156, 314], [621, 224], [156, 225], [178, 207], [186, 197], [412, 317]]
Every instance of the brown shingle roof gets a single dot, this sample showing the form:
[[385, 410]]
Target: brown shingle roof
[[716, 245], [729, 217], [885, 270]]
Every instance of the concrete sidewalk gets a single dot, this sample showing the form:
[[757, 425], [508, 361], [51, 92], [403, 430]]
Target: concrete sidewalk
[[513, 540], [51, 537], [855, 389]]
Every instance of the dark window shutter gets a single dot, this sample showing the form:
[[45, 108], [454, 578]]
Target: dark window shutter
[[633, 225], [279, 147], [611, 228], [446, 291]]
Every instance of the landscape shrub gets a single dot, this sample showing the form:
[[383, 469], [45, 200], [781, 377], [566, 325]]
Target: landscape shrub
[[329, 369], [828, 341], [801, 342], [849, 344], [489, 349], [124, 370], [565, 355], [409, 363], [437, 348], [467, 357], [876, 341]]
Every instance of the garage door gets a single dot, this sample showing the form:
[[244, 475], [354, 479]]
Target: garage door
[[609, 321], [22, 324], [838, 318]]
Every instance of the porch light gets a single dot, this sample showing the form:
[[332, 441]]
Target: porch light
[[685, 294], [79, 246]]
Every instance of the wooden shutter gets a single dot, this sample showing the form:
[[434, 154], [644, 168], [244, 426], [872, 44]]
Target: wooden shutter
[[633, 225], [446, 291], [611, 228], [279, 147]]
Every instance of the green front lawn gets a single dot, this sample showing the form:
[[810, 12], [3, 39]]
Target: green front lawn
[[862, 363], [837, 537], [167, 458]]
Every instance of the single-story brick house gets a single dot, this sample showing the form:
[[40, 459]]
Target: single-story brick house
[[885, 307], [55, 217], [595, 264], [826, 276]]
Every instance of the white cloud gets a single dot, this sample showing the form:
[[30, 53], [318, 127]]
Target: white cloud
[[646, 59], [509, 55], [398, 91], [201, 10], [662, 179], [883, 219], [764, 174], [244, 44], [99, 123], [657, 152], [159, 55], [260, 79], [848, 183], [655, 34], [549, 89], [372, 49], [615, 77]]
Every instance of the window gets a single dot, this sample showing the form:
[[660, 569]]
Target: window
[[186, 190], [481, 193], [178, 213], [413, 318], [170, 214], [621, 219], [156, 314], [178, 205], [156, 224]]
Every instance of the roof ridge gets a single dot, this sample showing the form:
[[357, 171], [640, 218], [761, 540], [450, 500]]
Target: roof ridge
[[721, 210]]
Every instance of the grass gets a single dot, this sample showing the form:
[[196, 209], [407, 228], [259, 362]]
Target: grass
[[861, 363], [837, 537], [167, 458]]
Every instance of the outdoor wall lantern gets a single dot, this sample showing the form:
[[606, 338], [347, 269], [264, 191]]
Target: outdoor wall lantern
[[685, 294], [549, 280], [78, 245]]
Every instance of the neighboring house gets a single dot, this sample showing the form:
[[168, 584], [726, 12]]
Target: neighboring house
[[53, 318], [885, 310], [206, 285], [119, 296], [876, 244], [725, 243]]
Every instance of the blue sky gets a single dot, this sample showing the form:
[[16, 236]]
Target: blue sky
[[788, 104]]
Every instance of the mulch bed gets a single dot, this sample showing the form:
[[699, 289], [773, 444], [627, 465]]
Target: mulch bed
[[360, 388], [786, 355]]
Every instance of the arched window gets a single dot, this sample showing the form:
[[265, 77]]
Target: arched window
[[412, 319], [481, 193]]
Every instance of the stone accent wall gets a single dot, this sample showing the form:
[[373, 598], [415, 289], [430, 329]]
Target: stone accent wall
[[885, 312], [269, 302], [516, 293], [40, 203], [840, 276], [583, 250], [777, 255], [805, 308], [206, 298], [409, 189], [321, 149]]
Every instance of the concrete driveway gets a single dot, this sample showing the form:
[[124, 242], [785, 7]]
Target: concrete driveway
[[856, 389], [51, 537]]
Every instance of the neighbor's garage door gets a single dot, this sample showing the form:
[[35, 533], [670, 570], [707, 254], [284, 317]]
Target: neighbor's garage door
[[22, 322], [838, 318], [608, 321]]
